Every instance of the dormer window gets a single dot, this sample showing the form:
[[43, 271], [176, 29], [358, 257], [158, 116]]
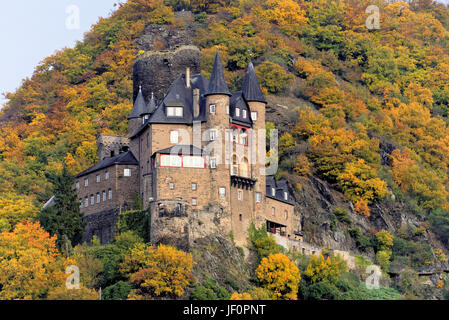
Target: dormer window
[[286, 196], [273, 192], [237, 112], [175, 111], [244, 114]]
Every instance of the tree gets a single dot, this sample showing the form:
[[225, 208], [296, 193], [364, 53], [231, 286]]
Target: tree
[[65, 217], [29, 263], [15, 209], [279, 276], [273, 77], [158, 271], [325, 270]]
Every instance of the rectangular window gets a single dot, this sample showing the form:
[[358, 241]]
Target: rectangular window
[[285, 195], [92, 200], [273, 192], [110, 194], [170, 161], [172, 186], [174, 136], [194, 186], [98, 197], [237, 112], [81, 203], [194, 202], [193, 162], [240, 217], [104, 195], [175, 111], [254, 116], [227, 109], [86, 202], [106, 176], [258, 197], [240, 195], [86, 182], [213, 135], [213, 163], [244, 114], [212, 108], [222, 192], [127, 172], [77, 185], [273, 211]]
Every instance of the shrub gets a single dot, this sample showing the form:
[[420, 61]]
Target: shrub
[[325, 270], [118, 291], [273, 77], [322, 291], [209, 290]]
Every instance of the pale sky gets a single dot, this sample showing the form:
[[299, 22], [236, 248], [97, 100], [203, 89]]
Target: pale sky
[[32, 30]]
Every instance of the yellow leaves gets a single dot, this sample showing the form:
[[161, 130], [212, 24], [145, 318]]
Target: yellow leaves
[[303, 167], [279, 276], [385, 239], [161, 271], [28, 263], [14, 209], [327, 270], [440, 255], [241, 296], [287, 14]]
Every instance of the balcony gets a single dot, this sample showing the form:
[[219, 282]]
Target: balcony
[[242, 182]]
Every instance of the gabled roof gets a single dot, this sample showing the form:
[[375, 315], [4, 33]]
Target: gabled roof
[[180, 95], [217, 82], [238, 101], [139, 107], [251, 88], [126, 158], [183, 149], [280, 187]]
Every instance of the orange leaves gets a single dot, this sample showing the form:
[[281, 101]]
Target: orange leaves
[[279, 276], [361, 207]]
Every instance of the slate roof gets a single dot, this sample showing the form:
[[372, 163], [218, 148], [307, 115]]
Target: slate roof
[[238, 101], [183, 149], [251, 88], [179, 95], [217, 82], [126, 158], [139, 107], [151, 106], [280, 187]]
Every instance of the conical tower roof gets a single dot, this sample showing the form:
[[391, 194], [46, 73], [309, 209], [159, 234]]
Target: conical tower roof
[[217, 82], [151, 105], [251, 88], [139, 105]]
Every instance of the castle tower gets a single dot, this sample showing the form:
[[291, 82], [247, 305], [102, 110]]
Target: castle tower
[[217, 107], [139, 109], [256, 100]]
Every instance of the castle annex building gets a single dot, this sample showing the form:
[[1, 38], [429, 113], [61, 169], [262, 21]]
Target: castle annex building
[[193, 157]]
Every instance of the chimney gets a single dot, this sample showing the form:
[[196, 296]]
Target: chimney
[[196, 102], [188, 77]]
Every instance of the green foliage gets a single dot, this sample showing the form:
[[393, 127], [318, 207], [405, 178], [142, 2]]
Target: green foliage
[[342, 216], [117, 291], [414, 254], [262, 244], [273, 77], [439, 222], [64, 218], [209, 290], [362, 242], [137, 221]]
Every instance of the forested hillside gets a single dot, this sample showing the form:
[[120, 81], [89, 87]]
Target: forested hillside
[[371, 118]]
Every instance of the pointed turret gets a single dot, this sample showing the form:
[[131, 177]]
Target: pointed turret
[[251, 88], [139, 106], [152, 105], [217, 82]]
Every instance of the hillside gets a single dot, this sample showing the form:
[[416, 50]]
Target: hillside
[[362, 114]]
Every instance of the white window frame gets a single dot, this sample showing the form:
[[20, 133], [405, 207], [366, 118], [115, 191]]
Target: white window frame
[[171, 185], [273, 192], [77, 185], [244, 114], [258, 197], [104, 195], [222, 192], [86, 182], [127, 172], [240, 195], [98, 179], [213, 163], [174, 136], [86, 202], [254, 116], [212, 109], [92, 199], [194, 186], [237, 112], [106, 175], [213, 135], [227, 109], [98, 197], [194, 202], [110, 194], [285, 195]]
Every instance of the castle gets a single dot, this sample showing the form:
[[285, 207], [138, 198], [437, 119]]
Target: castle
[[196, 158]]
